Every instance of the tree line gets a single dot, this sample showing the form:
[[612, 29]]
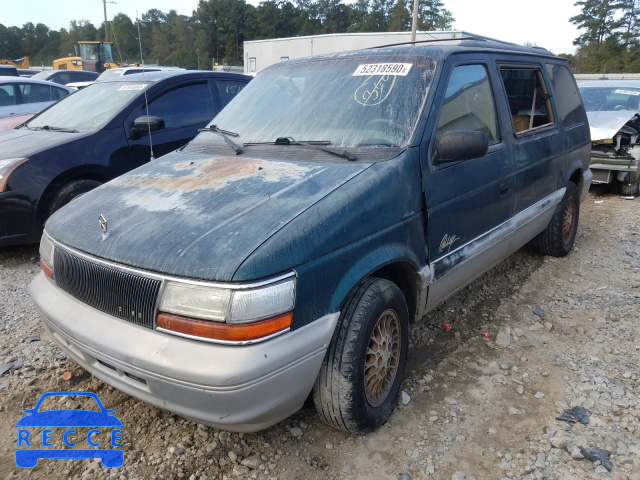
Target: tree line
[[217, 28], [609, 39]]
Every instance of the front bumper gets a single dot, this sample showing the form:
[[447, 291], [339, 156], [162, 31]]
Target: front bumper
[[239, 388], [612, 162]]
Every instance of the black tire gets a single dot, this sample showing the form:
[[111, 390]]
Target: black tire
[[557, 239], [70, 191], [631, 185], [359, 382]]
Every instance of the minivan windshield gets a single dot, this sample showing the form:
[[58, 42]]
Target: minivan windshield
[[90, 108], [351, 102]]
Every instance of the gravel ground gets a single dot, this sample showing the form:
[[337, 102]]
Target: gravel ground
[[489, 373]]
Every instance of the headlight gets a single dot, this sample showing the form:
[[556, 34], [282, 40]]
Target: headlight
[[46, 255], [6, 168], [266, 302], [228, 315], [195, 301]]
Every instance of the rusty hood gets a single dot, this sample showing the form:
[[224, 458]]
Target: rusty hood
[[195, 216]]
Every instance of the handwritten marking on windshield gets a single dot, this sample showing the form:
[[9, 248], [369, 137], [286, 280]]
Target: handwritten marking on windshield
[[374, 92]]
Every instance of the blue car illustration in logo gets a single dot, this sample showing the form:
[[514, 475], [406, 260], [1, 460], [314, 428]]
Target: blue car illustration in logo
[[70, 419]]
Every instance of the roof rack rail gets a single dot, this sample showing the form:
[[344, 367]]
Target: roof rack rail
[[443, 36]]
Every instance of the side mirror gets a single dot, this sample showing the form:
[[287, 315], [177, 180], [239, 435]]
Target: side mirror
[[146, 124], [459, 145]]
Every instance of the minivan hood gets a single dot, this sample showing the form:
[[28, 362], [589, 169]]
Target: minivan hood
[[604, 125], [195, 216], [24, 142]]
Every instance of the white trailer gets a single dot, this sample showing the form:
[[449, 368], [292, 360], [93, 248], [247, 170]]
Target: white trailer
[[259, 54]]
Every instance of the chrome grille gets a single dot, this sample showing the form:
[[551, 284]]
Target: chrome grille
[[124, 295]]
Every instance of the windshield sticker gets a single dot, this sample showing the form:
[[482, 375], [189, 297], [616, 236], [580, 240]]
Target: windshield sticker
[[626, 92], [382, 69], [374, 90], [137, 86]]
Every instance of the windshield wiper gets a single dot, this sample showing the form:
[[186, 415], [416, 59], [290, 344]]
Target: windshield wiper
[[317, 145], [55, 129], [225, 133]]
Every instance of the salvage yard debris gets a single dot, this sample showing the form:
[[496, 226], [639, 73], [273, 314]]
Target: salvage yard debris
[[576, 414]]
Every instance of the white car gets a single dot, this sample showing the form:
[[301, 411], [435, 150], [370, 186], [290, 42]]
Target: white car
[[118, 72], [613, 110], [26, 95]]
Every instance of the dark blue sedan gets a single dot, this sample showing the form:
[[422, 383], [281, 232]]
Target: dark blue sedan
[[97, 134]]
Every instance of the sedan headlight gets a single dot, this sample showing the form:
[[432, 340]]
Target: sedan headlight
[[7, 166], [227, 315]]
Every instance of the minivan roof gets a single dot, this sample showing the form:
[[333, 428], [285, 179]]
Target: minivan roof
[[471, 42], [436, 48]]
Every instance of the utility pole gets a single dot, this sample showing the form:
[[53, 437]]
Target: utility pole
[[106, 30], [414, 22]]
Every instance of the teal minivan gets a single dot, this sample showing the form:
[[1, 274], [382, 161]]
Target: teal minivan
[[286, 249]]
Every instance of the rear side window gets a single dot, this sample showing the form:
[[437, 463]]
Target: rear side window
[[469, 103], [7, 97], [228, 89], [184, 106], [528, 98], [566, 96], [62, 78], [34, 93]]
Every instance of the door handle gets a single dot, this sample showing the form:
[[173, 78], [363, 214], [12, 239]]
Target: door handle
[[505, 189]]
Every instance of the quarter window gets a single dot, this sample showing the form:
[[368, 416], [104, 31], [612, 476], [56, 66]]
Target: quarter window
[[228, 89], [528, 98], [469, 103], [566, 96]]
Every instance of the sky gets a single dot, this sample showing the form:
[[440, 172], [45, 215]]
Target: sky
[[543, 22]]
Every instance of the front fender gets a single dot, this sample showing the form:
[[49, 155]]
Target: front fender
[[324, 284]]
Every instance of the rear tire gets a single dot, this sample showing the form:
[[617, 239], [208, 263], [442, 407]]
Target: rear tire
[[360, 377], [631, 184], [70, 191], [557, 239]]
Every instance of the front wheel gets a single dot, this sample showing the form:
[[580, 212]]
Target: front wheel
[[631, 184], [70, 191], [557, 239], [361, 374]]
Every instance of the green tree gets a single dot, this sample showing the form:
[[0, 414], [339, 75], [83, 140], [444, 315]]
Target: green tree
[[308, 18], [335, 16], [400, 16], [433, 16], [610, 38], [79, 30], [10, 42], [599, 19], [630, 28], [124, 35]]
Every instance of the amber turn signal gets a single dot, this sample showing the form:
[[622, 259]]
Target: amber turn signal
[[48, 271], [236, 333]]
